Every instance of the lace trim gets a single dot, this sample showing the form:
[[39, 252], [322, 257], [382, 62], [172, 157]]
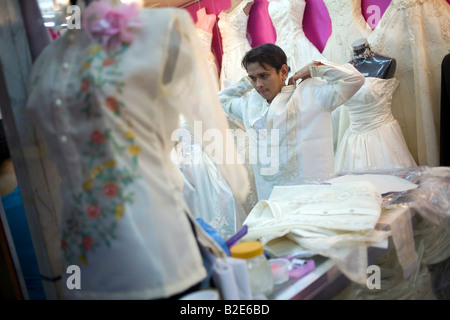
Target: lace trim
[[403, 4]]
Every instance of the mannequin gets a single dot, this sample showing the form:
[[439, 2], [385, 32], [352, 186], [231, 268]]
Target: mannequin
[[124, 220], [373, 138], [371, 64]]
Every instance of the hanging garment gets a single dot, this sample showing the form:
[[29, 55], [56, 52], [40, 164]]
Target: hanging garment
[[205, 42], [287, 18], [233, 29], [347, 25], [417, 34], [243, 148], [206, 192], [374, 139], [108, 113]]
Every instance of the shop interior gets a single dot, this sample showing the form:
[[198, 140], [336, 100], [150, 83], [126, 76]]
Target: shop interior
[[116, 160]]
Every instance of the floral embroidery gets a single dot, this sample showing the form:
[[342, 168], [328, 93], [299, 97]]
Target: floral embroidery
[[85, 85], [105, 192], [87, 243], [110, 189], [97, 137], [108, 61], [112, 104], [93, 211]]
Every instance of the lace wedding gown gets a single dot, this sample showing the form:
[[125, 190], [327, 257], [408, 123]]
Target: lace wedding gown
[[233, 29], [374, 139], [347, 26], [417, 34], [287, 18]]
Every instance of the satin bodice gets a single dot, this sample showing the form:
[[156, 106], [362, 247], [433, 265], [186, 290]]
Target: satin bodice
[[370, 107]]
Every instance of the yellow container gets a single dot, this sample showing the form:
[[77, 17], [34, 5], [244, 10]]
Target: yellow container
[[259, 273], [247, 249]]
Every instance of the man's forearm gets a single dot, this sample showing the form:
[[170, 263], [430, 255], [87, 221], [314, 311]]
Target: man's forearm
[[234, 97]]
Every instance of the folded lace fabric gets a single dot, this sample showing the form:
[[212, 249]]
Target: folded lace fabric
[[316, 210], [336, 221]]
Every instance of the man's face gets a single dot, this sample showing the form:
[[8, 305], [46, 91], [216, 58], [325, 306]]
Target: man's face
[[266, 80]]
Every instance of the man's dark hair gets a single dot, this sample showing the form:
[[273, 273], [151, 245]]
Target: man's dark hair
[[267, 53], [4, 150]]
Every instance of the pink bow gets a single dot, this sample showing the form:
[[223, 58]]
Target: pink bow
[[111, 26]]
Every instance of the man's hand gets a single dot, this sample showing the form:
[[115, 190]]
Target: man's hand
[[303, 73]]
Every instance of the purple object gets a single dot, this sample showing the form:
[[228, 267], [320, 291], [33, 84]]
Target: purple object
[[298, 271], [232, 241]]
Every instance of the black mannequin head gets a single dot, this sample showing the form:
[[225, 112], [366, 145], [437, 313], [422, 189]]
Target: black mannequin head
[[369, 63]]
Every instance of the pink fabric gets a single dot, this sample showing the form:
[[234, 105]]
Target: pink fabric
[[111, 26], [53, 34], [316, 21]]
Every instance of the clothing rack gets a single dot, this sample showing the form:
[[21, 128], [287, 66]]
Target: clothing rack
[[189, 3], [151, 4]]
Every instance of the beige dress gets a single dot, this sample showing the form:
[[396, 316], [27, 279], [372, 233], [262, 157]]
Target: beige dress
[[109, 120]]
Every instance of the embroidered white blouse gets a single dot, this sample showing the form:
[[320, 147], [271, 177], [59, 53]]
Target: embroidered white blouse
[[108, 119], [291, 139]]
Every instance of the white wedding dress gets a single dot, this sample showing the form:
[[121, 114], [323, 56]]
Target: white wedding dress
[[348, 25], [417, 34], [205, 42], [233, 29], [374, 139], [287, 19]]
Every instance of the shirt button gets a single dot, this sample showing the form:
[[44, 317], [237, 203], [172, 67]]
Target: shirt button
[[58, 102], [65, 66], [63, 139]]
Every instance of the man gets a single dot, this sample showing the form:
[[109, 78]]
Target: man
[[288, 126]]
